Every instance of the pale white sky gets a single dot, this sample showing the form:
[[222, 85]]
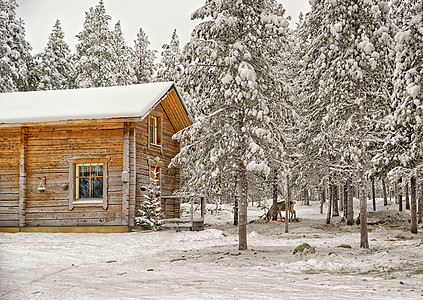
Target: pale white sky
[[157, 18]]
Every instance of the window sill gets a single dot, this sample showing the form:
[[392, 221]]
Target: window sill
[[88, 202], [155, 145]]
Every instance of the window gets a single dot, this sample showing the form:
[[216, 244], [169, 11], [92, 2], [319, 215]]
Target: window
[[155, 130], [89, 181]]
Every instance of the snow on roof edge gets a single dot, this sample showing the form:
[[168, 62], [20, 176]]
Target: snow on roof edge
[[131, 101]]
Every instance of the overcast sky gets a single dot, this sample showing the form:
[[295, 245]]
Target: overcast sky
[[157, 18]]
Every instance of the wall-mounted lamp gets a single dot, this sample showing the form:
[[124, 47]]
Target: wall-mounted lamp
[[41, 186]]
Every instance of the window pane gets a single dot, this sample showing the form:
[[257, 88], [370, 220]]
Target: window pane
[[84, 188], [80, 170], [94, 170], [100, 169], [97, 187], [158, 132], [86, 170]]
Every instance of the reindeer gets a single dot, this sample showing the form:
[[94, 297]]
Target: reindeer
[[292, 214]]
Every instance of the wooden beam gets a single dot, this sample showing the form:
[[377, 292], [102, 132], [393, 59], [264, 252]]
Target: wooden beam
[[126, 175], [22, 176]]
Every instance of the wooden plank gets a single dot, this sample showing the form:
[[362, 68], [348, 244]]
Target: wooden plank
[[22, 176], [126, 176]]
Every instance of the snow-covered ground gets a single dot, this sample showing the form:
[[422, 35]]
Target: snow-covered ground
[[207, 264]]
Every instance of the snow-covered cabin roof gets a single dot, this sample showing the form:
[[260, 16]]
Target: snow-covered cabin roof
[[131, 101]]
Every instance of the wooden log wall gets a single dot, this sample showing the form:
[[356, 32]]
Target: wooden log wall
[[146, 153], [10, 142], [48, 149]]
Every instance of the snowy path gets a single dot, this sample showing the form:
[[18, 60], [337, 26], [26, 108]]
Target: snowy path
[[206, 265]]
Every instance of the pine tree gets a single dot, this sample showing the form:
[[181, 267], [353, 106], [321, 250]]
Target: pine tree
[[404, 141], [229, 72], [55, 68], [16, 62], [169, 68], [124, 72], [95, 54], [149, 214], [144, 65], [402, 11], [347, 67]]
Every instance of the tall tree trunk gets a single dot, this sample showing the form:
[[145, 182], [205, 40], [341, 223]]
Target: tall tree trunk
[[329, 212], [345, 200], [242, 192], [288, 201], [374, 194], [399, 189], [407, 197], [236, 211], [364, 235], [385, 197], [350, 204], [275, 195], [421, 203], [396, 192], [413, 186], [323, 197], [335, 200]]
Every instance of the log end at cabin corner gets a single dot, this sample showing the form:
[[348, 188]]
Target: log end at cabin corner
[[77, 160]]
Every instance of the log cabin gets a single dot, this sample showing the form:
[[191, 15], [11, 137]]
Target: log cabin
[[79, 160]]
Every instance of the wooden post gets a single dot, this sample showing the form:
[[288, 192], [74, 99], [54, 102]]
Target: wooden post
[[133, 179], [125, 176], [22, 176]]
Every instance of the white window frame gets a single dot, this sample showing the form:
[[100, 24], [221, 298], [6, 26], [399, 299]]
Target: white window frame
[[73, 201]]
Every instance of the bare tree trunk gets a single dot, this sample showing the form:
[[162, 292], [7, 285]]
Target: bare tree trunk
[[335, 200], [374, 195], [345, 201], [287, 203], [413, 205], [350, 204], [275, 195], [421, 203], [385, 197], [407, 197], [236, 211], [329, 212], [399, 195], [323, 198], [396, 192], [364, 235], [242, 192]]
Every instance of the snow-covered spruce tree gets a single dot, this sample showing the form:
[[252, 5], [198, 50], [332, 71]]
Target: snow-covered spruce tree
[[149, 215], [124, 72], [229, 72], [55, 67], [402, 11], [347, 70], [95, 54], [15, 58], [403, 148], [169, 68], [144, 65]]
